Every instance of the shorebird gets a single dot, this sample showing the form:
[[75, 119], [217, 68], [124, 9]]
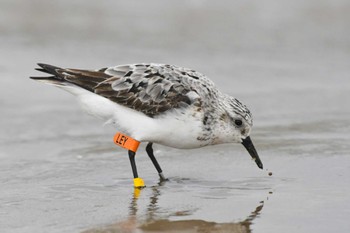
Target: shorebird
[[156, 103]]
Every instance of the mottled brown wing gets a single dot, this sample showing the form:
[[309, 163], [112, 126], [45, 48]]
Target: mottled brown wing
[[146, 88], [150, 89], [86, 79]]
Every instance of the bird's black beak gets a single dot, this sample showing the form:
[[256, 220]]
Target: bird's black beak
[[248, 144]]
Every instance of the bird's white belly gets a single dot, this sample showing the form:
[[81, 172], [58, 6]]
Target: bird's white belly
[[97, 106], [179, 132], [173, 128], [170, 129]]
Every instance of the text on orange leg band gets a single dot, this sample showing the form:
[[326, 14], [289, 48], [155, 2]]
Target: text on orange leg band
[[126, 142]]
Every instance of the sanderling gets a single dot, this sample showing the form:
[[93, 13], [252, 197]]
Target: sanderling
[[157, 103]]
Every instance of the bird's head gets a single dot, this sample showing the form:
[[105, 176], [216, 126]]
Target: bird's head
[[241, 122]]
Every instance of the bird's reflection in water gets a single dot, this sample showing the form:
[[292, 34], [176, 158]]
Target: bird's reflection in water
[[154, 224]]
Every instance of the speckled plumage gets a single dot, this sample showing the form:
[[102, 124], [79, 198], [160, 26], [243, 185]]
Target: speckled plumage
[[157, 89], [148, 88], [156, 103]]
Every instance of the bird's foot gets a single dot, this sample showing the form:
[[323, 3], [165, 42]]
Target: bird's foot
[[162, 178], [139, 183]]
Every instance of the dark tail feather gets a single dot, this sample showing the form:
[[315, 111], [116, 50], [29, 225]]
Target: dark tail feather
[[50, 69], [42, 70], [57, 78], [44, 78]]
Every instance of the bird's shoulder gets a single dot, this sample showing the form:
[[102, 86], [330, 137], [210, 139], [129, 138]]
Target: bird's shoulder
[[153, 88], [153, 74]]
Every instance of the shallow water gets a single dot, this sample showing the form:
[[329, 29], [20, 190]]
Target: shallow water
[[288, 61]]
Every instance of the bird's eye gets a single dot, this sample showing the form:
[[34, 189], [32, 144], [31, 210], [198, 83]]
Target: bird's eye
[[238, 122]]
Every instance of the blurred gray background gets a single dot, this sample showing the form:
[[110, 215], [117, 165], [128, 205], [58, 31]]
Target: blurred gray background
[[289, 61]]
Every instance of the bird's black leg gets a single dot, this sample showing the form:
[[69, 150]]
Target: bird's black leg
[[138, 182], [133, 164], [149, 151]]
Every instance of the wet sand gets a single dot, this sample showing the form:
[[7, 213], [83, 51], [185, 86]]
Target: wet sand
[[289, 62]]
